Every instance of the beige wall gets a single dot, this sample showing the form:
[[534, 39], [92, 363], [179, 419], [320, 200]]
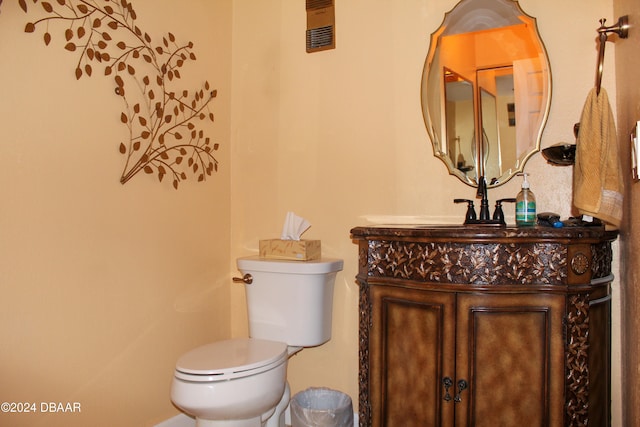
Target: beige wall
[[102, 285], [338, 137], [628, 84]]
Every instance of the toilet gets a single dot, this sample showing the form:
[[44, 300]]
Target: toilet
[[242, 382]]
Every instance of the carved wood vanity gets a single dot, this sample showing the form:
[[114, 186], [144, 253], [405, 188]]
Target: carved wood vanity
[[472, 326]]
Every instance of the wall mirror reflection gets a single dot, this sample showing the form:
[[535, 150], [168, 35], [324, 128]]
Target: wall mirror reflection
[[459, 118], [486, 90]]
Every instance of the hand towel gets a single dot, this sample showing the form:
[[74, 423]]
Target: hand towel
[[597, 175]]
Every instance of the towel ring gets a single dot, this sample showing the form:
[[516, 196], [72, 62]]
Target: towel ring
[[621, 28]]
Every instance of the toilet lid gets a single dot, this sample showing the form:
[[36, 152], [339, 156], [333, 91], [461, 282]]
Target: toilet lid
[[224, 360]]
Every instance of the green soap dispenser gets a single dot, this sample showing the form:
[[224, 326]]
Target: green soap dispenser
[[525, 205]]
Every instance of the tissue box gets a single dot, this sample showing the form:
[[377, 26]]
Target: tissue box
[[299, 250]]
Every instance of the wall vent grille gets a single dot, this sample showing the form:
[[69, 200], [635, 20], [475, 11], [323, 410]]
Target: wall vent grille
[[321, 27], [318, 4], [318, 38]]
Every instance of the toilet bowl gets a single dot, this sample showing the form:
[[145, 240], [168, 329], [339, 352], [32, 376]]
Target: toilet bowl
[[242, 382], [239, 380]]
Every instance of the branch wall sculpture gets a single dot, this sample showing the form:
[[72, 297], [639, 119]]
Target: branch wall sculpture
[[165, 135]]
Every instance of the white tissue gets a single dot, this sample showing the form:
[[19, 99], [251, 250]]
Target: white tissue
[[293, 227]]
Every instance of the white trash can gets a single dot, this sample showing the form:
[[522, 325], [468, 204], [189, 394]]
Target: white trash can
[[321, 407]]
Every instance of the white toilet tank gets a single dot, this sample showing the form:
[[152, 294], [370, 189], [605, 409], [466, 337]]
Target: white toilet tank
[[290, 301]]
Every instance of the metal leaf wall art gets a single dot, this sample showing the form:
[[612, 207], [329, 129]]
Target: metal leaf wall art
[[165, 135]]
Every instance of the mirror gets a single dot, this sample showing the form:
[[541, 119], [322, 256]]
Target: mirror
[[486, 90], [459, 119]]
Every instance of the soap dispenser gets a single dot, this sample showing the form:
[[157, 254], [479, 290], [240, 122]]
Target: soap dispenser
[[525, 205]]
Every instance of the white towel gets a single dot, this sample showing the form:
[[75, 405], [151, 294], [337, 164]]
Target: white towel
[[597, 175]]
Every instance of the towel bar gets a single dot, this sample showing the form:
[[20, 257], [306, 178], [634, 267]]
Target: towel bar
[[621, 28]]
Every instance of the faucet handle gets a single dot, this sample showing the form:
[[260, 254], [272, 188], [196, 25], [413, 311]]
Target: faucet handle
[[498, 214], [471, 211]]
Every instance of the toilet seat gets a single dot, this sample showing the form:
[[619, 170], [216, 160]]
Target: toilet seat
[[229, 359]]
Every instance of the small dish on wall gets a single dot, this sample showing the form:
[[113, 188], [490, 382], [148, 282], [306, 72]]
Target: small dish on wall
[[562, 154]]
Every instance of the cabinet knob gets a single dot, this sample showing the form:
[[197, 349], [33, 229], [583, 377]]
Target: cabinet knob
[[462, 385], [447, 382]]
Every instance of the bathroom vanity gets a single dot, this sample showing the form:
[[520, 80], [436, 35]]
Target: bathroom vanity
[[484, 326]]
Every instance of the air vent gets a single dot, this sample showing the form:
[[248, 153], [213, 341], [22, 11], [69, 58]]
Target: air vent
[[318, 38], [318, 4], [320, 25]]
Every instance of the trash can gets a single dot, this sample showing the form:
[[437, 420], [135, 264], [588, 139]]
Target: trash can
[[321, 407]]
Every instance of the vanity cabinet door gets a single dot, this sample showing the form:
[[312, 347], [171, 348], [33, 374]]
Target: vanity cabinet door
[[411, 350], [510, 353]]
